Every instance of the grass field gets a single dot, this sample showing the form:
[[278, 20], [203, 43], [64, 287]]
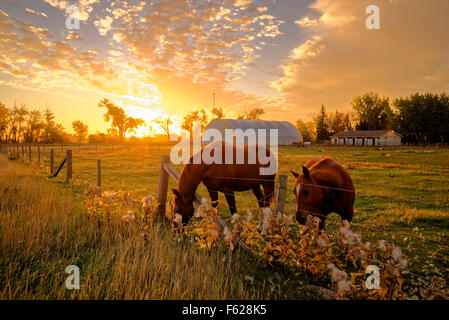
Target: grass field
[[401, 196]]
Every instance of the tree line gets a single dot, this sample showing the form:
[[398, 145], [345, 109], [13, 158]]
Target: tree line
[[419, 118], [23, 125]]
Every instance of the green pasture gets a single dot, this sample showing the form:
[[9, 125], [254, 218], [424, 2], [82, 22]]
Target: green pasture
[[401, 193]]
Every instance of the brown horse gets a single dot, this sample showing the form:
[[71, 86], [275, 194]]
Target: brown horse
[[226, 177], [324, 186]]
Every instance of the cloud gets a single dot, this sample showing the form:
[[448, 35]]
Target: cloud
[[104, 25], [42, 14], [31, 57], [72, 35], [306, 22], [343, 59], [85, 7], [61, 4], [170, 53]]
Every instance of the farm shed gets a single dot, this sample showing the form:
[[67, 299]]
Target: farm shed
[[287, 133], [366, 138]]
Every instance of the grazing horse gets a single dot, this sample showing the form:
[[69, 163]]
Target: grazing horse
[[324, 186], [226, 177]]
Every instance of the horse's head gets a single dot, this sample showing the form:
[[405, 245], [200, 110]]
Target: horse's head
[[309, 197], [183, 206]]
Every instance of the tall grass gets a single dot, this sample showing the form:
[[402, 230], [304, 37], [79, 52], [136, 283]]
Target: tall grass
[[43, 229]]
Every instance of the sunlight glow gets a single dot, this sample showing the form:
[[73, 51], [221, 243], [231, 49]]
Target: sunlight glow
[[148, 115]]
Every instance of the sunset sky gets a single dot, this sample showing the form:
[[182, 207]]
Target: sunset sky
[[169, 56]]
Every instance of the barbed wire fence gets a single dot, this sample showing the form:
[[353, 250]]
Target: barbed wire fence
[[37, 155]]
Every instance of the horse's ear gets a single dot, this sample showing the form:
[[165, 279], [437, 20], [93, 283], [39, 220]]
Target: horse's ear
[[176, 192], [305, 171], [295, 174]]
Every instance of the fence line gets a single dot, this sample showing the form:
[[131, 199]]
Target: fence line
[[167, 170]]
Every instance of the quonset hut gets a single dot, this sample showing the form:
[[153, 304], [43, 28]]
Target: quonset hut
[[287, 133]]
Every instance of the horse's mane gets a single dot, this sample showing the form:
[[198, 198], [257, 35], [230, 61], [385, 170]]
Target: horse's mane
[[326, 175], [190, 177]]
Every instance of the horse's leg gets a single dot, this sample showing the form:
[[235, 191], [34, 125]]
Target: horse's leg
[[268, 190], [322, 221], [230, 198], [259, 195], [213, 197], [260, 199]]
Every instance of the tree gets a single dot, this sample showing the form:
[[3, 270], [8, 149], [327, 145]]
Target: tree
[[80, 129], [12, 124], [423, 118], [307, 130], [196, 115], [217, 113], [4, 118], [322, 125], [339, 121], [49, 125], [98, 137], [112, 135], [164, 123], [254, 114], [373, 111], [48, 131], [19, 114], [34, 126], [119, 120]]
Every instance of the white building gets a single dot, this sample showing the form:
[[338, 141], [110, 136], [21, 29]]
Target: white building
[[366, 138], [287, 133]]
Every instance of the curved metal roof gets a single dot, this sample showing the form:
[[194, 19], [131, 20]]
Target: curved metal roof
[[284, 128]]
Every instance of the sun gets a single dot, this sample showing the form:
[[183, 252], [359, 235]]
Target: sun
[[148, 115]]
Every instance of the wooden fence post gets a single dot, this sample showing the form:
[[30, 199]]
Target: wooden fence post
[[29, 153], [69, 165], [38, 160], [280, 195], [23, 152], [52, 161], [99, 172], [163, 186]]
